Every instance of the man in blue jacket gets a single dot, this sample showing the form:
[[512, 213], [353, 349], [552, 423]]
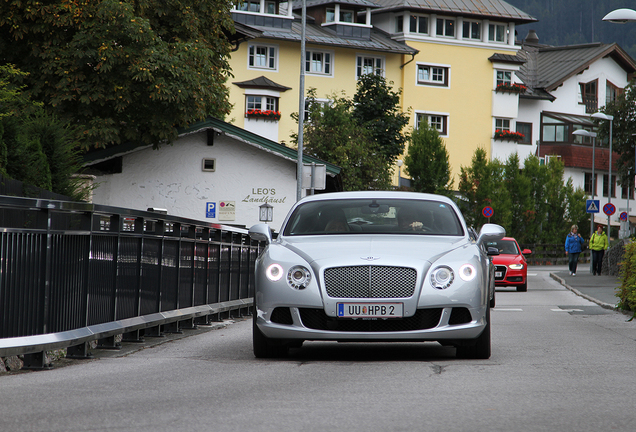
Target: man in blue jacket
[[573, 246]]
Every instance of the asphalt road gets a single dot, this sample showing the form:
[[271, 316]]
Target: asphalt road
[[559, 363]]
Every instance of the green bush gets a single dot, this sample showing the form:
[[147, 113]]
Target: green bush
[[627, 290]]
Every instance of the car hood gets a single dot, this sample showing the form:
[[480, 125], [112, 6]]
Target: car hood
[[343, 250]]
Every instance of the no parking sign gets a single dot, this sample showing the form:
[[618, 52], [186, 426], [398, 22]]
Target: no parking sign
[[487, 211]]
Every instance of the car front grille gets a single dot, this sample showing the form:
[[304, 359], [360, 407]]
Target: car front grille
[[501, 269], [370, 282], [317, 319]]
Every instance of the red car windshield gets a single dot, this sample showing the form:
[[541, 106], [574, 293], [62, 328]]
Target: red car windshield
[[506, 247]]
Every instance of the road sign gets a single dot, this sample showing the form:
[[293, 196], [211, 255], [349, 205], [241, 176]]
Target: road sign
[[592, 206], [623, 216], [487, 211], [609, 209]]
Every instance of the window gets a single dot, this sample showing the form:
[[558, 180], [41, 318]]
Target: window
[[331, 15], [581, 139], [318, 62], [346, 15], [504, 77], [554, 130], [270, 7], [472, 30], [263, 103], [315, 104], [589, 96], [605, 180], [432, 75], [497, 32], [262, 57], [588, 184], [369, 65], [526, 130], [418, 24], [611, 92], [445, 27], [399, 24], [438, 122], [628, 193], [208, 164], [502, 124], [249, 6]]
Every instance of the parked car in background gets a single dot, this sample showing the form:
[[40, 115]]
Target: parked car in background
[[511, 267], [374, 266]]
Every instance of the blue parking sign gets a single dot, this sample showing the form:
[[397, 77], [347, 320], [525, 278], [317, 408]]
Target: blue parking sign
[[210, 210]]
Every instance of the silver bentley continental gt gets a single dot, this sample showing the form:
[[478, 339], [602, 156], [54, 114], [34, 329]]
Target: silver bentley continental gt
[[374, 266]]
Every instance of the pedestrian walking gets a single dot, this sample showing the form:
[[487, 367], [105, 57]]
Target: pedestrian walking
[[573, 247], [598, 244]]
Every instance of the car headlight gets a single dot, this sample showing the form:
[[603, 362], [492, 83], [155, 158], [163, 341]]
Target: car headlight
[[442, 277], [274, 272], [298, 277], [516, 266], [467, 272]]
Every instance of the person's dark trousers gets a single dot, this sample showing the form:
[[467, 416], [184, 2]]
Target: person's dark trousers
[[597, 261], [574, 261]]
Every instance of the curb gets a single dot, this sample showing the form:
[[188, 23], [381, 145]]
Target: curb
[[585, 296]]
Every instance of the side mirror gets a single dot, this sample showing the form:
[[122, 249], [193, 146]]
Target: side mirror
[[493, 251], [491, 232], [526, 252], [261, 232]]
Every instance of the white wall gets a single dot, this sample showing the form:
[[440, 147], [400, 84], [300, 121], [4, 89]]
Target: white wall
[[172, 178]]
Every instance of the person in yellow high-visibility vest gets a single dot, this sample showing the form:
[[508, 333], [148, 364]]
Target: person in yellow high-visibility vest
[[598, 244]]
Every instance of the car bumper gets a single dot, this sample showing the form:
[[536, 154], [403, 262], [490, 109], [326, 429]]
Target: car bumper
[[441, 324]]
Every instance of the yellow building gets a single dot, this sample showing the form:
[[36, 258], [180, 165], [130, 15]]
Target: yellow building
[[448, 58]]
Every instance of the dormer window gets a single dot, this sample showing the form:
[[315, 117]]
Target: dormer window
[[497, 32], [445, 27], [249, 6], [344, 15], [418, 24]]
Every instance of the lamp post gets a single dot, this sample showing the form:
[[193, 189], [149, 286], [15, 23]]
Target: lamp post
[[583, 132], [301, 105], [266, 213], [400, 162], [610, 183]]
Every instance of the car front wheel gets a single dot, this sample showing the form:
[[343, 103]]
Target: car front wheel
[[265, 347], [522, 288], [480, 349]]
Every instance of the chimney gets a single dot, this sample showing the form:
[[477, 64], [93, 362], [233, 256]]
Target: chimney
[[532, 38]]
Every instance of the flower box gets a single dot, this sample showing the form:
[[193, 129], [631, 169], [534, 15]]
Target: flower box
[[263, 114], [506, 135], [511, 88]]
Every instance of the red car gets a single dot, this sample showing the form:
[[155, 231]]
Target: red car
[[511, 267]]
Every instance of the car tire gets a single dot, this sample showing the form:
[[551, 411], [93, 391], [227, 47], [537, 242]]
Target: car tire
[[265, 347], [480, 349], [522, 288], [492, 301]]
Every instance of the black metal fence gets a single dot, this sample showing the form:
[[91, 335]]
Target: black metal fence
[[551, 254], [75, 272]]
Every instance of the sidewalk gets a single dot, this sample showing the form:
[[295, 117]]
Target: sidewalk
[[598, 289]]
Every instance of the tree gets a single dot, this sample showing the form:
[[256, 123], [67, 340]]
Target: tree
[[518, 188], [36, 147], [332, 135], [377, 108], [427, 162], [121, 70], [476, 188]]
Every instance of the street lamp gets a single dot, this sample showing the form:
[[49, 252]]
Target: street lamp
[[400, 162], [266, 213], [610, 118], [620, 16]]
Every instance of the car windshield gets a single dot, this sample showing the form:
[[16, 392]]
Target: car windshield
[[506, 247], [376, 216]]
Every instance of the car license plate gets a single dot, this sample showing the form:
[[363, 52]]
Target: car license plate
[[499, 274], [370, 310]]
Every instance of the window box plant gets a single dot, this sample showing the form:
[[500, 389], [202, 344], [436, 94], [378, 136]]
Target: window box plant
[[511, 88], [506, 135], [263, 114]]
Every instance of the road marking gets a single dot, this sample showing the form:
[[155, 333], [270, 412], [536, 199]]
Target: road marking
[[566, 310], [532, 274], [508, 310]]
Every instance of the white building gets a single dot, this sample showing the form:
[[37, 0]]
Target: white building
[[565, 86], [213, 172]]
